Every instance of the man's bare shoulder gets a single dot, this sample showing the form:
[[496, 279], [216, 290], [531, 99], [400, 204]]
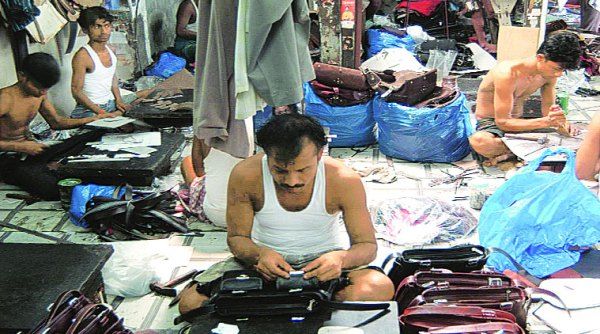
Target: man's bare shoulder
[[504, 70], [82, 57], [338, 174], [247, 171]]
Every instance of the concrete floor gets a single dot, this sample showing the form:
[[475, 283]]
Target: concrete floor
[[152, 311]]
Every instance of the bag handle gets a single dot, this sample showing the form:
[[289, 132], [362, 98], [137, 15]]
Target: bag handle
[[569, 166]]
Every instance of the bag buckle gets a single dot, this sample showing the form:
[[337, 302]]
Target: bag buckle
[[425, 263], [488, 313], [311, 304], [494, 281], [506, 306]]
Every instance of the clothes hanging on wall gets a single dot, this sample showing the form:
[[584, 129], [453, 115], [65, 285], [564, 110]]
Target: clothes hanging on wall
[[19, 13], [278, 59], [214, 100]]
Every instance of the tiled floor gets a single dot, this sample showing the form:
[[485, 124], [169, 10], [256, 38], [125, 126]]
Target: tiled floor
[[150, 311]]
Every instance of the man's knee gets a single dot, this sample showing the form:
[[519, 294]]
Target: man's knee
[[190, 299], [481, 139], [368, 285]]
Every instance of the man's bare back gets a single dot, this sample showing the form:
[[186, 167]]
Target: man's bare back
[[524, 86]]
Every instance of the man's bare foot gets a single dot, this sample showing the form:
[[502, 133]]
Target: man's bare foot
[[494, 161]]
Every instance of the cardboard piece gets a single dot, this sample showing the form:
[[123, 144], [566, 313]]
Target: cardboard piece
[[47, 24], [517, 42]]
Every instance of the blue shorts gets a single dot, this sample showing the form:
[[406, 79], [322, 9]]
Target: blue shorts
[[83, 112]]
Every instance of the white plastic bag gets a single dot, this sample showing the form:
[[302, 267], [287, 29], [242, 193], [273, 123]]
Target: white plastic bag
[[136, 264]]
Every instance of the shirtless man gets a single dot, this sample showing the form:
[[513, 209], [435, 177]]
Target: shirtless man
[[186, 30], [510, 83], [94, 84], [283, 212], [21, 160]]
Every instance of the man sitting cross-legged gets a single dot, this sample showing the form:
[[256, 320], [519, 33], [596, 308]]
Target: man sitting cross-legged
[[22, 160], [283, 209]]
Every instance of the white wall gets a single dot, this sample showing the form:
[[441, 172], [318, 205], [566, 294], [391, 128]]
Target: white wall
[[60, 94]]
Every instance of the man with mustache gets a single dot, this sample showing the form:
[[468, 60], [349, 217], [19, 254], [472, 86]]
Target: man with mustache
[[283, 214]]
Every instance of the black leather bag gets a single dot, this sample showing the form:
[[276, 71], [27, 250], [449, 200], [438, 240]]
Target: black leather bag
[[244, 293], [458, 259]]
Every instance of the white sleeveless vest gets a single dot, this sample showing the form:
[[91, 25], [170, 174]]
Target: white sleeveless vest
[[312, 230], [98, 84]]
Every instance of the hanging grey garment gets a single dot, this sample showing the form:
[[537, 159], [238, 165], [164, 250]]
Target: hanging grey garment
[[277, 49], [214, 99]]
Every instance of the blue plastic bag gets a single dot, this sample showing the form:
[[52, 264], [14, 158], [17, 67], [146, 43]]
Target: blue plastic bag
[[82, 193], [166, 65], [380, 39], [539, 217], [353, 125], [424, 134], [262, 117]]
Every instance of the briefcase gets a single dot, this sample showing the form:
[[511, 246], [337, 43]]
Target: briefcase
[[407, 88]]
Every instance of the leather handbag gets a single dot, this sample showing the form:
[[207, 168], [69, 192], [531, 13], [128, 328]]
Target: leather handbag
[[414, 285], [490, 327], [244, 293], [428, 317], [342, 77], [439, 98], [62, 312], [408, 87], [509, 299], [73, 313], [340, 97], [465, 258]]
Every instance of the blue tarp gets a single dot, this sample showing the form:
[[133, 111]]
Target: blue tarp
[[424, 134], [353, 125], [380, 39]]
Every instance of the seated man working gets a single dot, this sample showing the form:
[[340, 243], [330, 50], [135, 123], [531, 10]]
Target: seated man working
[[22, 160], [94, 84], [283, 210], [507, 86], [206, 173], [187, 27]]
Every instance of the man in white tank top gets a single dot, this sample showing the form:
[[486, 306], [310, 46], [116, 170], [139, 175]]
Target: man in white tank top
[[282, 215], [94, 84]]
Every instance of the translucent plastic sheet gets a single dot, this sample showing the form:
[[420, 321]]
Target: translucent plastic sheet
[[410, 221]]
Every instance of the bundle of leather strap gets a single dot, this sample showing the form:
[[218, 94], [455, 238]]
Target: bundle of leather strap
[[73, 313], [133, 218]]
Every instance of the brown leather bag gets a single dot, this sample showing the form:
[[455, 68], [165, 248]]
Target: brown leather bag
[[342, 77], [340, 97], [509, 299], [408, 87], [427, 317], [414, 285], [440, 97], [490, 327]]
